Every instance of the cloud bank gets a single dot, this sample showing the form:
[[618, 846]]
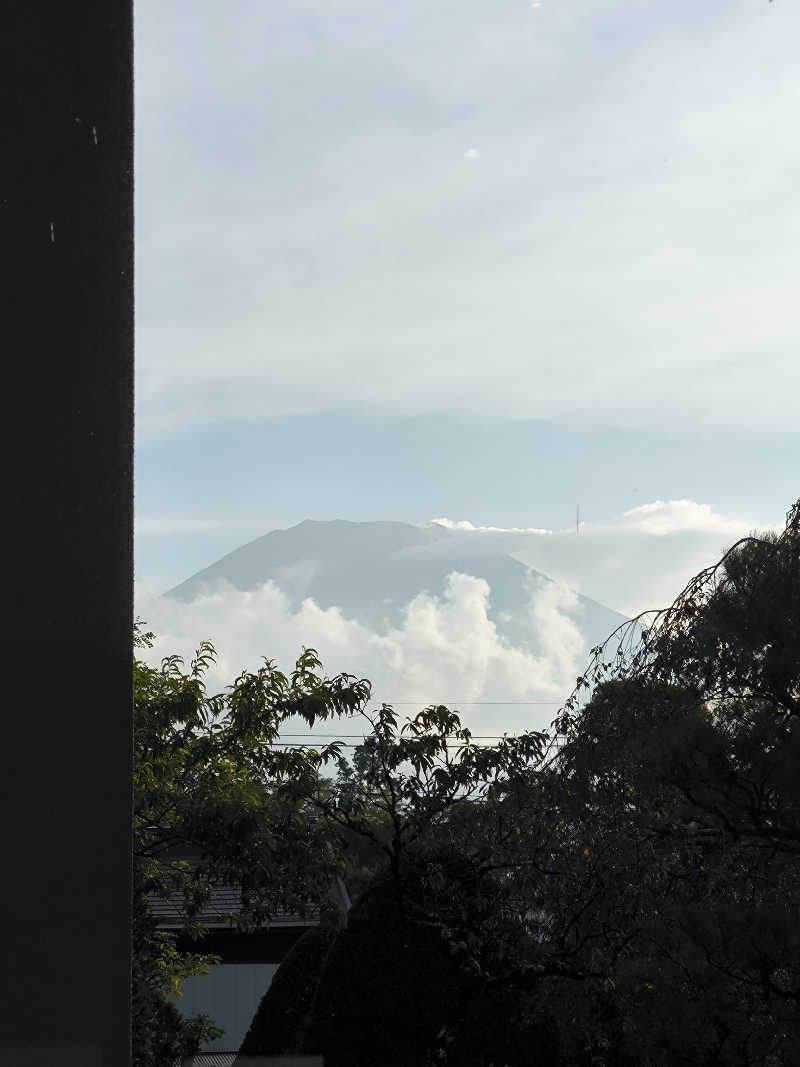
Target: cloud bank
[[637, 561], [623, 252], [447, 649]]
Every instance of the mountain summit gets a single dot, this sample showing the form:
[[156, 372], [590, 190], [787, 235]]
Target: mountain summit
[[373, 570]]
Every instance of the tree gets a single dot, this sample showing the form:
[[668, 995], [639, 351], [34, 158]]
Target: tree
[[205, 774], [393, 980], [687, 751]]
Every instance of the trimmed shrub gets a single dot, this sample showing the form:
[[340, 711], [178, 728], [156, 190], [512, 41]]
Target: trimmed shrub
[[284, 1005], [385, 988]]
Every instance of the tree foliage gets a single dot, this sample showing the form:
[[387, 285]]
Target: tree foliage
[[681, 768], [206, 774]]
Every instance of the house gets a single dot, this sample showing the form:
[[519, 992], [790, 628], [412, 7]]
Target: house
[[233, 988]]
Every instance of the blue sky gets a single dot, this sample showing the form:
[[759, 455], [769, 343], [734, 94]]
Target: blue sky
[[483, 260]]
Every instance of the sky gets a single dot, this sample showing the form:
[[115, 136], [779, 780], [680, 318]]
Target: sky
[[485, 261]]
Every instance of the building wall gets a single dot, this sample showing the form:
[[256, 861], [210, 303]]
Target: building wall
[[229, 994]]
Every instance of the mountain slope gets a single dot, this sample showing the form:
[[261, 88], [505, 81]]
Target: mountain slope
[[373, 570]]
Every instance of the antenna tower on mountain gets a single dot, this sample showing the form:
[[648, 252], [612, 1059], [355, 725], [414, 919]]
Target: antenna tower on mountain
[[578, 519]]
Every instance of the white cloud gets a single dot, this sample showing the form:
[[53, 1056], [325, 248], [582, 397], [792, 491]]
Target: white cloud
[[446, 650], [634, 562], [625, 253], [471, 153], [663, 517], [658, 517], [559, 635], [465, 524], [296, 576]]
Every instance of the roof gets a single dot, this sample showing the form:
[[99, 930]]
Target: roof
[[224, 904]]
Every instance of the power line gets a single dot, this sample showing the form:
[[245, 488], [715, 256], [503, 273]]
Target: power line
[[353, 744], [342, 740], [480, 737], [348, 744]]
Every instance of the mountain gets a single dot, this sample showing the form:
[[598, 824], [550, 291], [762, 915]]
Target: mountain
[[372, 570]]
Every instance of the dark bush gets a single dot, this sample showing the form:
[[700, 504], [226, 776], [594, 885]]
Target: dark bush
[[284, 1005], [385, 989], [503, 1029]]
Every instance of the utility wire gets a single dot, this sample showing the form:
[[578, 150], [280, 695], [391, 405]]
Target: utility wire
[[353, 744], [481, 737], [326, 739]]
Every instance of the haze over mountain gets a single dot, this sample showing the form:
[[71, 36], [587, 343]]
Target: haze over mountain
[[372, 571], [441, 611]]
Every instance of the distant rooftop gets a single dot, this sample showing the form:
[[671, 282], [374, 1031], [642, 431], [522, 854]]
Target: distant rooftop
[[224, 905]]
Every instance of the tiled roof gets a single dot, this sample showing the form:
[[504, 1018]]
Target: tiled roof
[[235, 1059], [225, 902]]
